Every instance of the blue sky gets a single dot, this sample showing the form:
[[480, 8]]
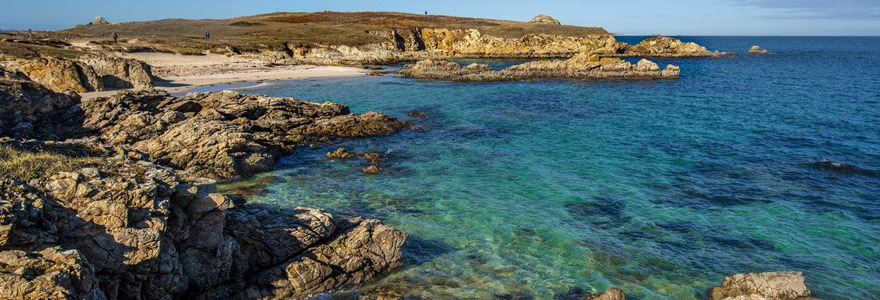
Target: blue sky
[[686, 17]]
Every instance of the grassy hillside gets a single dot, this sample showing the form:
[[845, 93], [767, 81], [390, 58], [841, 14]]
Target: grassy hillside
[[269, 30]]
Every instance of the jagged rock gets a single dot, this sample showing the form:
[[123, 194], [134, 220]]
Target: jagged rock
[[224, 135], [52, 273], [341, 153], [662, 46], [584, 66], [99, 20], [371, 169], [760, 286], [31, 111], [545, 19], [758, 50], [355, 256]]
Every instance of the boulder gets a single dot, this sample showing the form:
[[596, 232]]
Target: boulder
[[545, 19], [49, 274], [759, 286]]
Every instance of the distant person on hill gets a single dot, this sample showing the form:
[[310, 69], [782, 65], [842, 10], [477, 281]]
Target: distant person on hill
[[115, 38], [426, 12], [207, 34]]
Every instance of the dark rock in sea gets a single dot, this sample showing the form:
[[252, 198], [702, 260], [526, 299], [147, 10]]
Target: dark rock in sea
[[420, 114], [341, 153], [579, 294], [841, 168], [760, 286]]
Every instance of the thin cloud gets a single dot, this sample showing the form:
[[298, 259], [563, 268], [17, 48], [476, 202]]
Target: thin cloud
[[818, 9]]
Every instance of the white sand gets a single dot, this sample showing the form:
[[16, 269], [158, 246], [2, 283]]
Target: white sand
[[184, 72]]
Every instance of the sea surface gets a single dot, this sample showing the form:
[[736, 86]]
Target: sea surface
[[536, 189]]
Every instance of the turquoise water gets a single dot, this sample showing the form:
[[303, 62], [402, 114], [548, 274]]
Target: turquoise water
[[531, 189]]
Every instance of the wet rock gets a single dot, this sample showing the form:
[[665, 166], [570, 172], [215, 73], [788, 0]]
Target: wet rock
[[341, 153], [420, 114], [841, 168], [612, 294], [371, 169], [758, 50], [584, 66], [759, 286], [545, 19]]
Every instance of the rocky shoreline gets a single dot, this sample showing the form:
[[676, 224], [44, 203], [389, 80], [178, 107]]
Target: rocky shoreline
[[139, 220], [585, 66], [116, 197]]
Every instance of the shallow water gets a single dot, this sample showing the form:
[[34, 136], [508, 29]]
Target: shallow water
[[657, 187]]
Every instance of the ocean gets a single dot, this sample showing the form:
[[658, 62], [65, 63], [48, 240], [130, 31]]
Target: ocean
[[536, 189]]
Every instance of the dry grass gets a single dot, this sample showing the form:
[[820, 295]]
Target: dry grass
[[23, 165], [271, 30]]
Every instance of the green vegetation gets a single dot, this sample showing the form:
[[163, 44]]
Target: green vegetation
[[18, 164]]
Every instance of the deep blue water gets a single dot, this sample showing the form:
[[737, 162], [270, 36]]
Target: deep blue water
[[656, 187]]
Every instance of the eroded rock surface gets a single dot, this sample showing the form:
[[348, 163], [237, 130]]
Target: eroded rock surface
[[226, 135], [663, 46], [586, 66], [128, 228], [84, 74], [761, 286]]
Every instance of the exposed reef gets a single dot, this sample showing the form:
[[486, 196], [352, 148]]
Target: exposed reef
[[585, 66], [758, 50], [663, 46], [114, 224]]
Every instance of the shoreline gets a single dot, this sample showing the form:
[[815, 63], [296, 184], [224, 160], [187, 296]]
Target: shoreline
[[181, 74]]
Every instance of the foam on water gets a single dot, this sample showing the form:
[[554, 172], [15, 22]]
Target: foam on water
[[659, 187]]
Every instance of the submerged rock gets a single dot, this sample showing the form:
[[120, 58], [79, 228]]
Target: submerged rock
[[760, 286], [758, 50], [341, 153], [545, 19], [585, 66]]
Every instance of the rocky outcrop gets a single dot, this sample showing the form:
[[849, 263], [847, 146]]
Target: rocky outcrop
[[31, 111], [611, 294], [226, 135], [759, 286], [662, 46], [545, 19], [758, 50], [99, 20], [84, 74], [127, 228], [140, 231], [583, 66]]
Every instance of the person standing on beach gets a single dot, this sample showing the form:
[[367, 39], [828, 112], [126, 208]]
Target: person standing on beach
[[207, 34]]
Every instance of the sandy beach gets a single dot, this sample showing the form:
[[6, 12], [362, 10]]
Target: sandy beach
[[181, 73]]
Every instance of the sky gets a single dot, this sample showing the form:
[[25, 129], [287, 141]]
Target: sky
[[669, 17]]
